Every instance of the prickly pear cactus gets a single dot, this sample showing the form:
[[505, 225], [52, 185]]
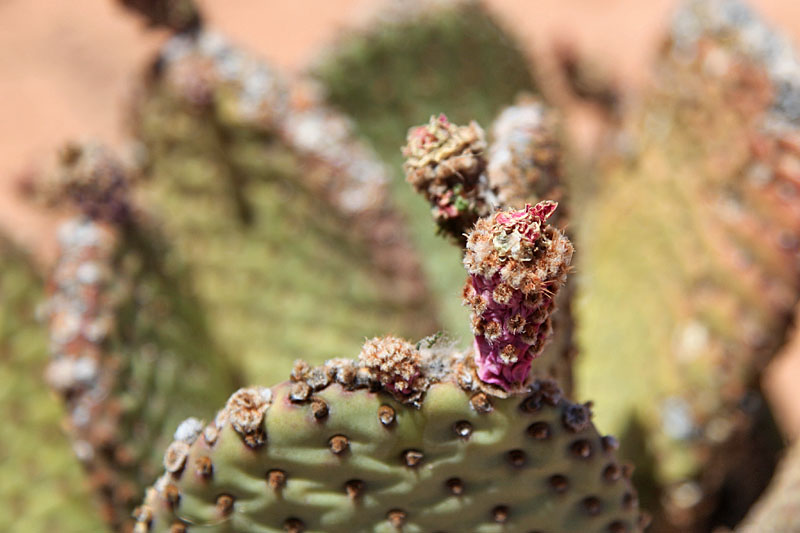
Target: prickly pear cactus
[[275, 209], [353, 460], [42, 487], [412, 438], [472, 69], [691, 262], [130, 350], [462, 180]]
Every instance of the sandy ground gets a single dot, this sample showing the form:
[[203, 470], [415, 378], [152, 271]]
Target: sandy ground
[[66, 69]]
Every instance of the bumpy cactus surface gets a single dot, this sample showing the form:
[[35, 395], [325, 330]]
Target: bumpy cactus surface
[[130, 350], [42, 487], [353, 460], [276, 209], [472, 69], [691, 261], [411, 438]]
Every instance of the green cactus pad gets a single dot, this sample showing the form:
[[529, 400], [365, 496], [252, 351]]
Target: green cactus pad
[[42, 487], [264, 226], [409, 437], [690, 256], [130, 356], [341, 457]]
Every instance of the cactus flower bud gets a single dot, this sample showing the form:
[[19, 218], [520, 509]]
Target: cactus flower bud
[[516, 265], [446, 163]]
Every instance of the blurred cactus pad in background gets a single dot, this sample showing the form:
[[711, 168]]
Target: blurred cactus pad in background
[[258, 225], [690, 270], [129, 342], [294, 247], [43, 488]]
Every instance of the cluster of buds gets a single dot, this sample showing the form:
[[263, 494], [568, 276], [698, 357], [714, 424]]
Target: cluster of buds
[[446, 163], [516, 266]]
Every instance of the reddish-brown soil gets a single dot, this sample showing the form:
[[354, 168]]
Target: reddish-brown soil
[[66, 69]]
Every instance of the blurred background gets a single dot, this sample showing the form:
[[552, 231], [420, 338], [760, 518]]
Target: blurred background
[[85, 69], [68, 69]]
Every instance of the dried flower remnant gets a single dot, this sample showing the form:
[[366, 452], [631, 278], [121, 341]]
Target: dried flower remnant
[[516, 266], [396, 363], [446, 163]]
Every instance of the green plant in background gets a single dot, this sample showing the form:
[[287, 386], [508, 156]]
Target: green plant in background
[[690, 272], [42, 487], [275, 209], [413, 438], [472, 69], [129, 343]]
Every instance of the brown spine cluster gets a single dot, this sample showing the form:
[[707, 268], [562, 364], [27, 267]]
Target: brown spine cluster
[[397, 364]]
